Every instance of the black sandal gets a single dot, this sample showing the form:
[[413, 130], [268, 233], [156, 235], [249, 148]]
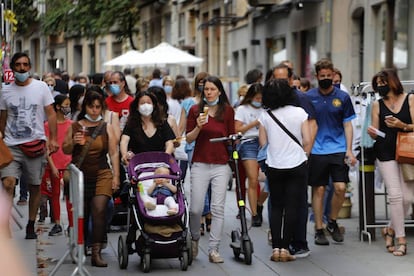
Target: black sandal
[[202, 229], [208, 224], [401, 250], [389, 244]]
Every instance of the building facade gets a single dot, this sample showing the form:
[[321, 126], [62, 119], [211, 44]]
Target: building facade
[[234, 36], [350, 32]]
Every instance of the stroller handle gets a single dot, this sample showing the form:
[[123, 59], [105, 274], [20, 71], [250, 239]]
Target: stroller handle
[[152, 157]]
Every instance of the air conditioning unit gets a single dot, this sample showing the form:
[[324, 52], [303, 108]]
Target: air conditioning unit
[[256, 3]]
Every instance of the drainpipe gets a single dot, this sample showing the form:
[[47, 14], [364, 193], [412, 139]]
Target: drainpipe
[[389, 34], [250, 35], [329, 29]]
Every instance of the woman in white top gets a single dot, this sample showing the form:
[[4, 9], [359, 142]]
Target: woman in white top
[[246, 122], [286, 161]]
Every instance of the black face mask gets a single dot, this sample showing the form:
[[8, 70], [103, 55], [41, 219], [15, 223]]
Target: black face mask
[[325, 83], [383, 90]]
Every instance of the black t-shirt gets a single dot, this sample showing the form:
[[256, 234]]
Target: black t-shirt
[[140, 142]]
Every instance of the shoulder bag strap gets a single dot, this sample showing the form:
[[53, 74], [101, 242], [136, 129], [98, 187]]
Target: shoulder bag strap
[[88, 144], [283, 127]]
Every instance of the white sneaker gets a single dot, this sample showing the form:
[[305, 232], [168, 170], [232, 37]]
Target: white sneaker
[[214, 257]]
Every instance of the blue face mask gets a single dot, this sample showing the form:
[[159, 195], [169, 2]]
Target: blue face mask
[[115, 89], [256, 104], [337, 85], [89, 118], [21, 77], [168, 89], [213, 102], [200, 88]]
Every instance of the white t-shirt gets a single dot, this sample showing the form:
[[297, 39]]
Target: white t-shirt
[[131, 81], [25, 111], [174, 109], [247, 114], [283, 152]]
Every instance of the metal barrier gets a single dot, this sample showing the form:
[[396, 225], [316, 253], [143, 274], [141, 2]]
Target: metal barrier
[[15, 219], [367, 220], [76, 238]]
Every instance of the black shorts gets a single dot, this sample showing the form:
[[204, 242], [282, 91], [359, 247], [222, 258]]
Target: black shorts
[[321, 167]]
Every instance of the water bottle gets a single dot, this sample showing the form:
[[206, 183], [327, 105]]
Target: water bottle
[[123, 119], [348, 162]]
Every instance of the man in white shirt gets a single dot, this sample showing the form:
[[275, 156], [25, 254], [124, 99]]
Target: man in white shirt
[[24, 105], [131, 81]]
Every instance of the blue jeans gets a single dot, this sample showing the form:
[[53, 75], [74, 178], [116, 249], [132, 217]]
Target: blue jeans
[[23, 189]]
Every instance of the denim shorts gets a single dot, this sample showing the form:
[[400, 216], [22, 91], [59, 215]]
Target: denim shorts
[[249, 149]]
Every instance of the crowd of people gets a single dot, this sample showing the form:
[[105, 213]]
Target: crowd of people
[[298, 137]]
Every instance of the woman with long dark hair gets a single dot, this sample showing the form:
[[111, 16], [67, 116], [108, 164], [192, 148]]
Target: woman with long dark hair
[[209, 166], [76, 96], [247, 115], [147, 128], [100, 181]]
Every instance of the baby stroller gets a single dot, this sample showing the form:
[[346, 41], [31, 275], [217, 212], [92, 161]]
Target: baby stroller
[[159, 235]]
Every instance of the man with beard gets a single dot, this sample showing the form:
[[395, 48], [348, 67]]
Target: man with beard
[[24, 105]]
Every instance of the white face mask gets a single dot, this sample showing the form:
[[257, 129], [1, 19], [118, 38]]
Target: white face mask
[[145, 109], [90, 119]]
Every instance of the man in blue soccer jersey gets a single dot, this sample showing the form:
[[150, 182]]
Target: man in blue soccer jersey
[[332, 150]]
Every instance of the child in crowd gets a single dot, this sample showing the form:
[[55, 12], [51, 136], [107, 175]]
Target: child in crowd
[[161, 192], [46, 198], [58, 161]]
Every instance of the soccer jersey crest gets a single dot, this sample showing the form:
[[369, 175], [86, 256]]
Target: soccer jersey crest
[[336, 102]]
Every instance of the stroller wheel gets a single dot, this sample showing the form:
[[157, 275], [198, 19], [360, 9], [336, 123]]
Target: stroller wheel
[[146, 262], [184, 261], [122, 252], [189, 248]]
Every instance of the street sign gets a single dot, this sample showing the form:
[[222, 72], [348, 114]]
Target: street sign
[[8, 75]]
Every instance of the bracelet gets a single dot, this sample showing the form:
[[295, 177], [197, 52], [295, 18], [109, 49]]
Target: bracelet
[[406, 127]]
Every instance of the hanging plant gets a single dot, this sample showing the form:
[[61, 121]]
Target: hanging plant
[[10, 17]]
